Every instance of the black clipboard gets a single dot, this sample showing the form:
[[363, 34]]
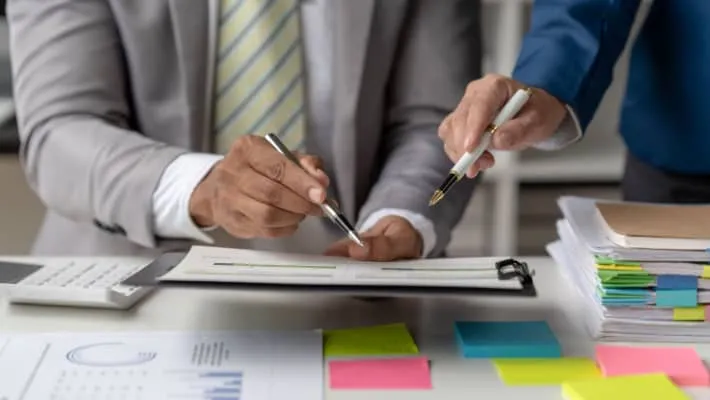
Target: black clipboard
[[507, 269]]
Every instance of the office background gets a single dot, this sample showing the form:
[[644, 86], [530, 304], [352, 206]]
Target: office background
[[513, 211]]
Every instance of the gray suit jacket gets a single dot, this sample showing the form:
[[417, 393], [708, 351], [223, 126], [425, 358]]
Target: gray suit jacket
[[109, 92]]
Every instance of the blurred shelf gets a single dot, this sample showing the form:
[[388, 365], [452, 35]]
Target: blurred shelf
[[567, 166]]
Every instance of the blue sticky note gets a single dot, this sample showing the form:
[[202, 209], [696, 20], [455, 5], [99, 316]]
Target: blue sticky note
[[677, 298], [680, 282], [508, 339]]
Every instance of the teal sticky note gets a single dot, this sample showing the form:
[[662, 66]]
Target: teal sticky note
[[677, 298], [506, 339]]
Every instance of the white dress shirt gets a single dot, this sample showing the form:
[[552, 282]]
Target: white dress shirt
[[171, 198]]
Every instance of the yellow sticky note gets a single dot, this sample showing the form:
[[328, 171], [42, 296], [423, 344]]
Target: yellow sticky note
[[393, 339], [545, 371], [706, 272], [647, 387], [689, 313]]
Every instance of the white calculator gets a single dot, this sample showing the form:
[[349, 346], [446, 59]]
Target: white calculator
[[77, 282]]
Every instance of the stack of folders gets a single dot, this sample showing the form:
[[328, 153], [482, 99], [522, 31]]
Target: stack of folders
[[642, 270]]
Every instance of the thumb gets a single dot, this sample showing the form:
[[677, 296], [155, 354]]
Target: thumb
[[378, 248], [340, 248]]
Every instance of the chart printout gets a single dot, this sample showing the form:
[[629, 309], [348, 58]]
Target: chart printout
[[163, 366]]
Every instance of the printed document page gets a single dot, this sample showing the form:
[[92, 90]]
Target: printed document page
[[215, 264], [163, 366]]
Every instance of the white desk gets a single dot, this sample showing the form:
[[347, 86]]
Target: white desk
[[430, 319]]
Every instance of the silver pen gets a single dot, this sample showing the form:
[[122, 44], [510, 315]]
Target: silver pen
[[329, 208]]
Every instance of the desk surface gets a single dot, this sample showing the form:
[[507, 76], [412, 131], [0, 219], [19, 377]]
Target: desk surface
[[430, 319]]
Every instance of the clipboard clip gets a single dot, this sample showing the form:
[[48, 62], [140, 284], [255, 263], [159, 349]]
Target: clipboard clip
[[511, 269]]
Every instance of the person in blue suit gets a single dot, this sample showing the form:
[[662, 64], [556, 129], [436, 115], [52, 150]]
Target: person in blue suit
[[568, 56]]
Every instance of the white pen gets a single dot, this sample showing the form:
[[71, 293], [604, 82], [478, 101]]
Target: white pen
[[509, 110]]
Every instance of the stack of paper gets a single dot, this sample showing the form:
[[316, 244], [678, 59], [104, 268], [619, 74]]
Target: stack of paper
[[640, 270]]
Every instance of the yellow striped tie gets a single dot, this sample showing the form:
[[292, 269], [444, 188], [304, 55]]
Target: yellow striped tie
[[259, 77]]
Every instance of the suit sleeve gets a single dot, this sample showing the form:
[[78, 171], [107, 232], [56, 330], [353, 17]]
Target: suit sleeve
[[77, 148], [439, 53], [572, 47]]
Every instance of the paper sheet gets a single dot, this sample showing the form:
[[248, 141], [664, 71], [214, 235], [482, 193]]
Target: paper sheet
[[681, 364], [647, 387], [392, 339], [395, 373], [507, 339], [157, 366], [215, 264], [545, 371]]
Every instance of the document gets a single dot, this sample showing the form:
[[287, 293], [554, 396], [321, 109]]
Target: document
[[215, 264], [163, 366]]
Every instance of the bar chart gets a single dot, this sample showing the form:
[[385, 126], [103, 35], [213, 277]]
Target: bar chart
[[206, 385]]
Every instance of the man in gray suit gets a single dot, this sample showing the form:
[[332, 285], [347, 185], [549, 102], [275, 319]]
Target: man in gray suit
[[141, 121]]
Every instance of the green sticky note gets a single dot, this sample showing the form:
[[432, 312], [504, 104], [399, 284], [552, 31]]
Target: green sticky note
[[393, 339], [625, 278], [610, 261]]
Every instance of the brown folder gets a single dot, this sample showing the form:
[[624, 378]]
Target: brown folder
[[657, 220]]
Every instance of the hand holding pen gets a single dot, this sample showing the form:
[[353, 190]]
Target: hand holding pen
[[255, 192], [328, 206], [498, 113]]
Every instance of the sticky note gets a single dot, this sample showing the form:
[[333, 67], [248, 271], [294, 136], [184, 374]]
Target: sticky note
[[689, 313], [706, 272], [526, 339], [676, 282], [677, 298], [545, 371], [393, 339], [646, 387], [681, 364], [394, 373]]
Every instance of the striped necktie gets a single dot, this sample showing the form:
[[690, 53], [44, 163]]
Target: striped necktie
[[259, 77]]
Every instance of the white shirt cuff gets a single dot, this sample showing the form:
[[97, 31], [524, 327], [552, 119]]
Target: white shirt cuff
[[171, 198], [569, 132], [422, 224]]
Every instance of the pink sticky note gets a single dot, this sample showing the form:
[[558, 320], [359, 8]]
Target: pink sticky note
[[393, 373], [681, 364]]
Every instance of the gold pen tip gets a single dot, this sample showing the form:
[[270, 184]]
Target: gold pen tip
[[438, 195]]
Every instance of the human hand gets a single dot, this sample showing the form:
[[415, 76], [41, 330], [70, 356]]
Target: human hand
[[391, 238], [257, 192], [463, 129]]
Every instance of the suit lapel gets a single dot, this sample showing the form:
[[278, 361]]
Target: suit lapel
[[191, 22], [352, 25]]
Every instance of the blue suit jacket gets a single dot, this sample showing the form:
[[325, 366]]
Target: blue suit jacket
[[572, 47]]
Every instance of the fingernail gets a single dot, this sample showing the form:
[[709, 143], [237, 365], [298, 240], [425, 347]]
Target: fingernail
[[316, 195], [323, 176]]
